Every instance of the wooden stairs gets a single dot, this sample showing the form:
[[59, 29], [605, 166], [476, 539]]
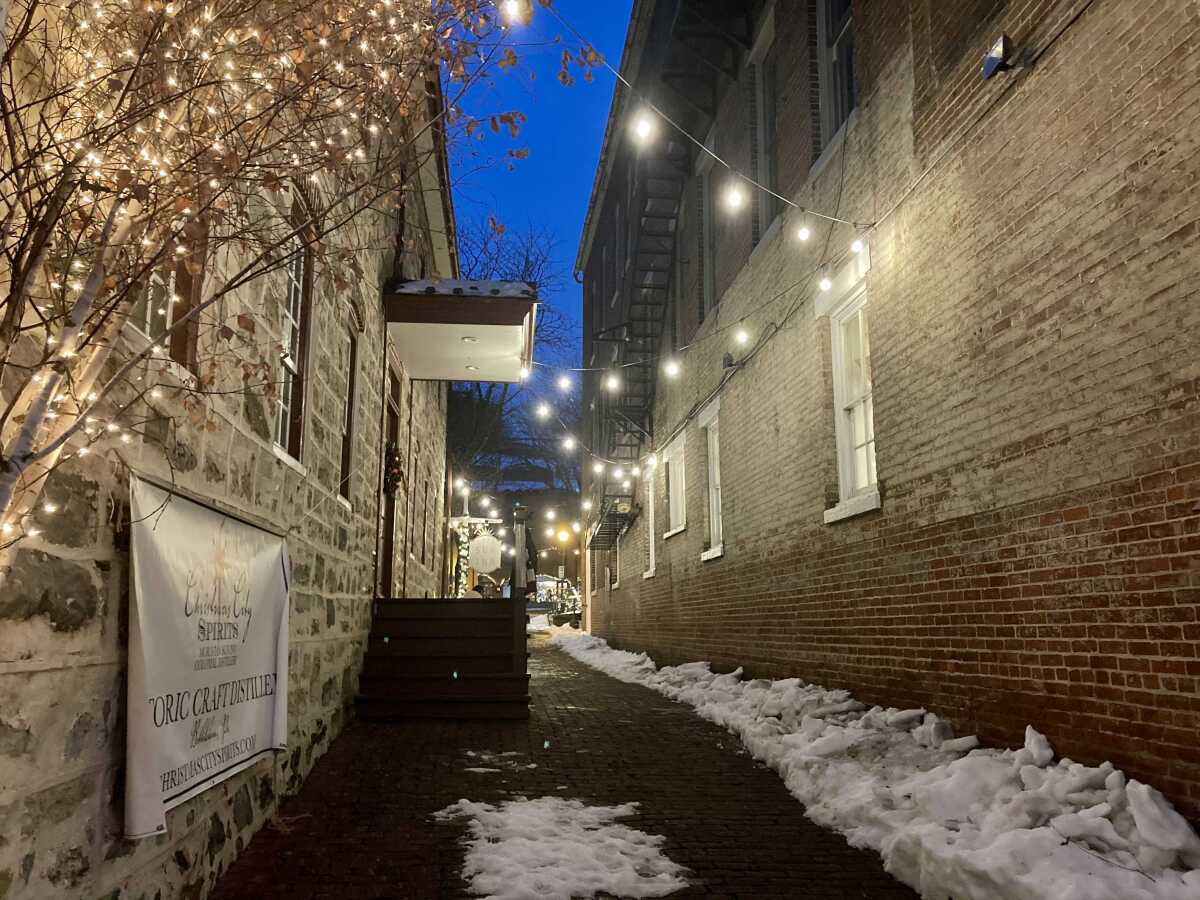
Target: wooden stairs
[[449, 658]]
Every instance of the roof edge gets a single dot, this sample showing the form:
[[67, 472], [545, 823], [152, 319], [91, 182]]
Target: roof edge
[[631, 57]]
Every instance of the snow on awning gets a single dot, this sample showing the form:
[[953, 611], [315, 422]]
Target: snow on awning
[[454, 330]]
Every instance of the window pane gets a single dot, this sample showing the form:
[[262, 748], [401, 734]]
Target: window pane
[[861, 469], [852, 357], [871, 474]]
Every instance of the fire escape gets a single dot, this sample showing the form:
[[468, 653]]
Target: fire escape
[[699, 45]]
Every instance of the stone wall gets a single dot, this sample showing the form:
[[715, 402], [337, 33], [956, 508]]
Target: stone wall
[[64, 605], [1034, 328]]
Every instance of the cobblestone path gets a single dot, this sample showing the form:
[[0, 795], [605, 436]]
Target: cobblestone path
[[361, 826]]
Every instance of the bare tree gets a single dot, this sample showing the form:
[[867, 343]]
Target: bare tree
[[490, 429], [158, 157]]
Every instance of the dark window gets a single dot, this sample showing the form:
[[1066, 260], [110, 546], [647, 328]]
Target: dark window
[[297, 311], [838, 90], [171, 292], [348, 411]]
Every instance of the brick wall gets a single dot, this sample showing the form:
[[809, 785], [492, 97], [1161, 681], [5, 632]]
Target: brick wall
[[64, 606], [1034, 328]]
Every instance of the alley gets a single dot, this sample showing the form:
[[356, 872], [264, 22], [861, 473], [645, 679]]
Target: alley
[[362, 826]]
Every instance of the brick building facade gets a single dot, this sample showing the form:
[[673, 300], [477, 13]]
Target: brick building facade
[[64, 602], [1020, 330]]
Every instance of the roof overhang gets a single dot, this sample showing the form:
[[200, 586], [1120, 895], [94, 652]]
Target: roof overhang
[[462, 330]]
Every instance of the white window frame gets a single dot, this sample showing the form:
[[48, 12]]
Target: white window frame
[[827, 59], [676, 485], [847, 297], [614, 571], [289, 367], [709, 421], [651, 537]]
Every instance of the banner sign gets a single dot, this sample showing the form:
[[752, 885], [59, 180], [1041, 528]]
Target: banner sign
[[208, 652]]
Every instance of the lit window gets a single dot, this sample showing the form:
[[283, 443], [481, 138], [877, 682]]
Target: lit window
[[650, 535], [674, 475], [853, 401], [709, 422]]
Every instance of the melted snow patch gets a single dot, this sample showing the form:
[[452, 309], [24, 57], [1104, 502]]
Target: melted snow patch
[[554, 848], [948, 819]]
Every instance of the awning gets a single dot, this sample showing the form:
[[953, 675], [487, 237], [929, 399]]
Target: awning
[[452, 330]]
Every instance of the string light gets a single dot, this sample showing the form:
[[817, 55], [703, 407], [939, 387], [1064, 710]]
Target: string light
[[543, 411], [735, 197], [825, 283], [612, 382], [587, 505], [643, 127], [671, 368], [568, 443], [742, 336], [597, 467], [804, 233], [564, 383], [856, 246]]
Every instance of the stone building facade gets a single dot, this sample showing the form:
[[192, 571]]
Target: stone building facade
[[1019, 330], [64, 603]]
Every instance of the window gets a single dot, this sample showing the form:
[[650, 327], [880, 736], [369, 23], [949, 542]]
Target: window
[[853, 403], [709, 423], [764, 157], [289, 416], [593, 582], [613, 570], [673, 474], [351, 360], [835, 30], [706, 205], [650, 535], [171, 293]]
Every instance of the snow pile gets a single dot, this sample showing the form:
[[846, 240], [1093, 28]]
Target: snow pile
[[950, 820], [555, 848], [538, 624], [487, 761]]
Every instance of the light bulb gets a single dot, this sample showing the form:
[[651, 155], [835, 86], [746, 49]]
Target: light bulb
[[671, 368], [618, 472], [511, 9], [742, 336], [804, 233], [543, 410], [549, 533], [643, 127], [568, 443], [735, 197], [563, 537], [598, 467], [564, 383], [524, 373], [612, 382], [587, 505], [550, 514], [857, 246], [825, 283]]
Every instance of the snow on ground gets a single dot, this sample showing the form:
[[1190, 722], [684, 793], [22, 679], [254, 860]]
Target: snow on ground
[[553, 848], [488, 761], [950, 820], [538, 624]]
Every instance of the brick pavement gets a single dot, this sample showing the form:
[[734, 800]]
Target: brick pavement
[[361, 825]]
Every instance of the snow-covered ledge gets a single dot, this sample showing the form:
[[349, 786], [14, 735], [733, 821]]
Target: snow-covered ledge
[[854, 506]]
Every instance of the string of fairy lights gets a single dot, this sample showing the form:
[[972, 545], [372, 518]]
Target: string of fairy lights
[[645, 125]]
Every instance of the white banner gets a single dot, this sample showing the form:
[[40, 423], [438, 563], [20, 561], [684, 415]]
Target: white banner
[[208, 651]]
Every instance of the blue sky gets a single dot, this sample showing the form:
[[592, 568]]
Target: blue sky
[[563, 133]]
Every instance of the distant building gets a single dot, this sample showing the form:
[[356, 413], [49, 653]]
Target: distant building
[[956, 464]]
